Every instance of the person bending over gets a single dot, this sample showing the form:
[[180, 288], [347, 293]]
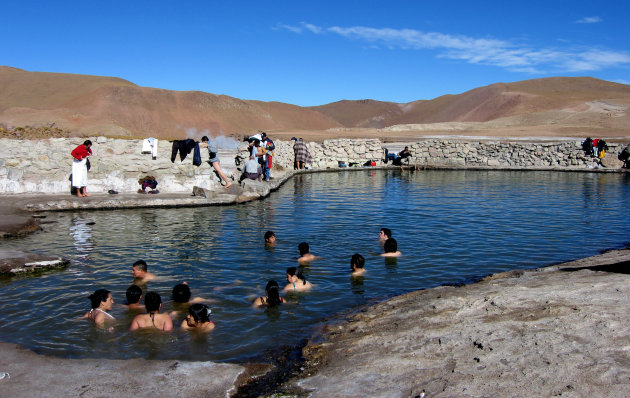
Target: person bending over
[[152, 319], [297, 281], [214, 158]]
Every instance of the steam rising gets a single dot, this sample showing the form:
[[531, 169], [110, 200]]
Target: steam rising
[[222, 141]]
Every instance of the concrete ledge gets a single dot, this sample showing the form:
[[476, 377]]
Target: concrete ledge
[[33, 375]]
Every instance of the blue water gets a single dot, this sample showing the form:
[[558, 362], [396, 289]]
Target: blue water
[[451, 226]]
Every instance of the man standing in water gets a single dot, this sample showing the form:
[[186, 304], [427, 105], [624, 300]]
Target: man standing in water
[[214, 158]]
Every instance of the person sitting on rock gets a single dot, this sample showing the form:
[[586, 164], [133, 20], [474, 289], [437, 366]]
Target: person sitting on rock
[[140, 273], [252, 170], [152, 319]]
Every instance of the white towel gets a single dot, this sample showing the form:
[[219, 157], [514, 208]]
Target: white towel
[[150, 145]]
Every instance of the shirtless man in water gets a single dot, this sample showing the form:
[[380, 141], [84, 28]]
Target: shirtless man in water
[[153, 319], [305, 254], [140, 273]]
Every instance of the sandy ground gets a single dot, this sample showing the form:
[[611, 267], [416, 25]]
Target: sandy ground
[[557, 331]]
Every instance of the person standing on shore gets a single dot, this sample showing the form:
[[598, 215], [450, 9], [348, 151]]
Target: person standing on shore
[[214, 158], [80, 168], [267, 162], [302, 155]]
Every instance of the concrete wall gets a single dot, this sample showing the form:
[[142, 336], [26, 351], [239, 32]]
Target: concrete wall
[[44, 166]]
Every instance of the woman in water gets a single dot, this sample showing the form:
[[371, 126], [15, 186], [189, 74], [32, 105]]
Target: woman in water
[[297, 282], [198, 319], [102, 301], [153, 318], [273, 296], [391, 248]]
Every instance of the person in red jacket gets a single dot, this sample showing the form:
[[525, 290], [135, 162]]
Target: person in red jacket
[[79, 167]]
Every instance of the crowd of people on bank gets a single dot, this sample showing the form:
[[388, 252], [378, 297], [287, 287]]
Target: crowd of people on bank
[[197, 312]]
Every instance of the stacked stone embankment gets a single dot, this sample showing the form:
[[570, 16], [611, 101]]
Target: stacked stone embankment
[[43, 166]]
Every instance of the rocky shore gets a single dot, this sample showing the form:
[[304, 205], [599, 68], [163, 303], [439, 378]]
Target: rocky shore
[[556, 331]]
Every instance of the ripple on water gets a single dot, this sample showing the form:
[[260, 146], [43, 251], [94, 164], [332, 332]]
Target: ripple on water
[[451, 226]]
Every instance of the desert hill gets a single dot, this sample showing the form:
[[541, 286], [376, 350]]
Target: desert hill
[[83, 105]]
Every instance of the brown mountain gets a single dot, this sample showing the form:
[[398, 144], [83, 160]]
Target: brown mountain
[[94, 105], [482, 104]]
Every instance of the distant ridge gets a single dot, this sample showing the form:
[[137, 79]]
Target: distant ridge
[[94, 105]]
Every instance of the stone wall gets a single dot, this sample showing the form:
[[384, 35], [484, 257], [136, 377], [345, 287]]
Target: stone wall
[[567, 154], [44, 166]]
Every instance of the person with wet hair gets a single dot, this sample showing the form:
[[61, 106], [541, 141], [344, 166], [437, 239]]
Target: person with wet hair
[[384, 234], [305, 254], [273, 297], [181, 293], [134, 296], [101, 301], [297, 281], [270, 238], [357, 262], [391, 248], [140, 273], [152, 319], [198, 319]]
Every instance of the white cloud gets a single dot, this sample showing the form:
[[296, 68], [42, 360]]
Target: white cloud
[[589, 20], [483, 51]]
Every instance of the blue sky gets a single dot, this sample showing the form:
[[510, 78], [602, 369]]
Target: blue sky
[[315, 52]]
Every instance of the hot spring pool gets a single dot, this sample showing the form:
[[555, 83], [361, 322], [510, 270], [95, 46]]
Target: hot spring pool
[[451, 226]]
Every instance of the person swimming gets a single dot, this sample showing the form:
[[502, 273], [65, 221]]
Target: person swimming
[[357, 263], [297, 282], [102, 301], [153, 318], [391, 248], [198, 319], [273, 296]]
